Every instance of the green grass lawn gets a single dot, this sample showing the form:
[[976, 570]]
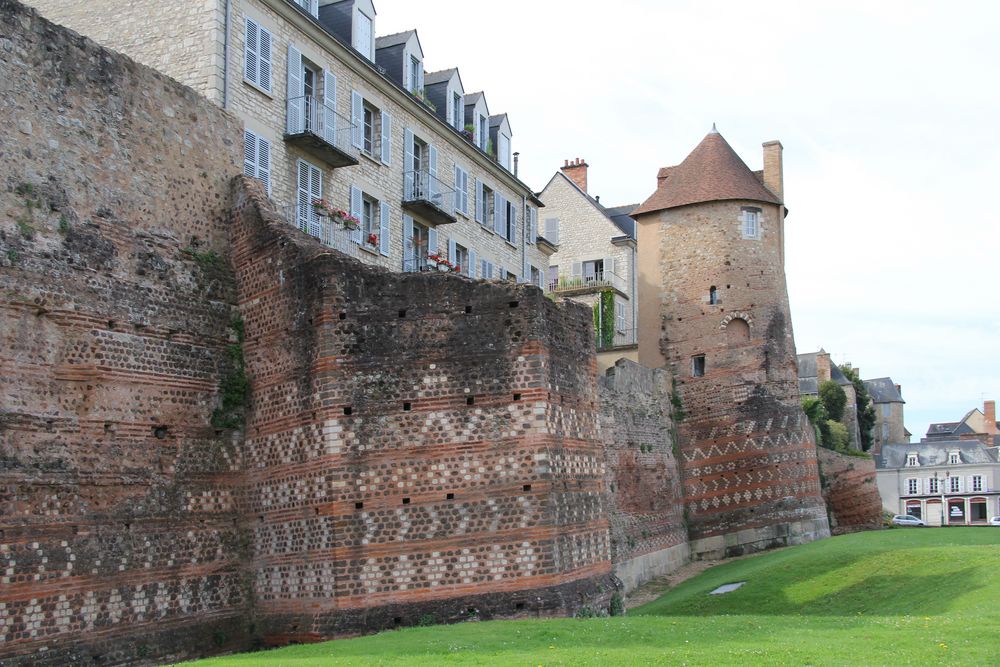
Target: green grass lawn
[[894, 597]]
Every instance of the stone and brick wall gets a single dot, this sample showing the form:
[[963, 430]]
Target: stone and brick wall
[[182, 39], [119, 537], [747, 452], [850, 490], [648, 535], [419, 444]]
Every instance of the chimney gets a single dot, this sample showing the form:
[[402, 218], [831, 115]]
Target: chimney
[[576, 171], [990, 412], [516, 156], [773, 170], [822, 367]]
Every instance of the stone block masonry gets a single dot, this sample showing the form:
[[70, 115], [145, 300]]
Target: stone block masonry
[[119, 538], [419, 446]]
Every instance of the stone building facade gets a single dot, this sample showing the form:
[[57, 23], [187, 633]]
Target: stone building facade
[[815, 368], [326, 119], [714, 309], [596, 253], [887, 399]]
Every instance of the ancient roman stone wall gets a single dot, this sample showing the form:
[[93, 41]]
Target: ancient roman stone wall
[[119, 537], [648, 535], [420, 445], [746, 450], [850, 491]]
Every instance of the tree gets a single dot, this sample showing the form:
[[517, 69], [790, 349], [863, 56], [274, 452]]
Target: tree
[[816, 413], [834, 399], [866, 411], [837, 437]]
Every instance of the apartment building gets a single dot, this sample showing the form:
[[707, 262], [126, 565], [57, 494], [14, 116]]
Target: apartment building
[[354, 141], [595, 259]]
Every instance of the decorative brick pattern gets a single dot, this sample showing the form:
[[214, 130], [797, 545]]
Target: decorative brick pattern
[[851, 492]]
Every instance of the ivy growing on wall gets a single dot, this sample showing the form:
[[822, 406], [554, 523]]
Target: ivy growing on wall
[[604, 320]]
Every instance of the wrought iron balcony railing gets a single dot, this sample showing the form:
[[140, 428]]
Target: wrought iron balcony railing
[[318, 129], [329, 232], [428, 196], [589, 282], [619, 339]]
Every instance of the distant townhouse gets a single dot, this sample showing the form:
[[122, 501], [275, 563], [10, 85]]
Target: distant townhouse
[[352, 139], [944, 482], [887, 398], [981, 425], [595, 260], [815, 368]]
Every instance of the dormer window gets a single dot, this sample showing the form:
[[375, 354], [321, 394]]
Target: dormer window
[[912, 460], [954, 458], [484, 135], [363, 35], [310, 6], [416, 75], [456, 111]]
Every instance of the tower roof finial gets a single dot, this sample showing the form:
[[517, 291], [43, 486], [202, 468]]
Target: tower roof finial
[[714, 131]]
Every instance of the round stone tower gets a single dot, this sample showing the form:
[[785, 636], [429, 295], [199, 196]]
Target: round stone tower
[[713, 307]]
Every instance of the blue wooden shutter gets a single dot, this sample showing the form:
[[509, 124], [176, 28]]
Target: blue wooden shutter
[[409, 262], [329, 107], [314, 7], [296, 121], [251, 53], [458, 190], [432, 181], [479, 202], [386, 138], [499, 214], [452, 250], [473, 268], [264, 72], [357, 119], [356, 212], [432, 242], [383, 234], [512, 225], [408, 174]]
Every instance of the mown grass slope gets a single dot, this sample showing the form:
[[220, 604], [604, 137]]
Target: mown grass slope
[[896, 597]]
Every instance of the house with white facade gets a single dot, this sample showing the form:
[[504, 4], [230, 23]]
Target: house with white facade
[[943, 482], [595, 259], [346, 131]]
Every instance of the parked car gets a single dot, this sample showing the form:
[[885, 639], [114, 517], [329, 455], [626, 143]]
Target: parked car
[[907, 520], [995, 521]]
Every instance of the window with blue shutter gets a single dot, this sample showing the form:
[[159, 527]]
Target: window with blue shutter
[[257, 158], [356, 204], [357, 119], [386, 138], [383, 236], [257, 55], [295, 90]]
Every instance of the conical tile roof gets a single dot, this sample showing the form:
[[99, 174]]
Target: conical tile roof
[[712, 172]]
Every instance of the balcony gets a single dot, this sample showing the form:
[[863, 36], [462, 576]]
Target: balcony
[[588, 284], [329, 233], [617, 340], [428, 197], [320, 131]]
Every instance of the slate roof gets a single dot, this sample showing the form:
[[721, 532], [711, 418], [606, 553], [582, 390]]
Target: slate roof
[[395, 39], [472, 98], [935, 453], [883, 390], [712, 172], [441, 76], [497, 119], [620, 216], [808, 375]]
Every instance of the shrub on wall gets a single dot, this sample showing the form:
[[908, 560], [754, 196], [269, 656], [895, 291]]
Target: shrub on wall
[[604, 320]]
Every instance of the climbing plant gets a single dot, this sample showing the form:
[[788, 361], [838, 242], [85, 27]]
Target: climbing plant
[[604, 319]]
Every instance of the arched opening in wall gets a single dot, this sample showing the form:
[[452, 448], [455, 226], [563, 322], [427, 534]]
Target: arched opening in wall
[[713, 296], [738, 331]]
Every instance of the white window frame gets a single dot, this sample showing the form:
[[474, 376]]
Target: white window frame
[[258, 65], [912, 486], [954, 458], [977, 484], [954, 484], [933, 485], [750, 222], [366, 48], [912, 460]]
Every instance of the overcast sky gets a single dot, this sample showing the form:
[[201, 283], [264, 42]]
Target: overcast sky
[[888, 113]]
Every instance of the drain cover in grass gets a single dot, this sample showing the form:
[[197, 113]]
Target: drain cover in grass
[[727, 588]]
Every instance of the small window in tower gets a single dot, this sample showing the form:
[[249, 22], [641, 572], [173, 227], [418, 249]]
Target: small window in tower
[[750, 222], [713, 296], [698, 365]]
